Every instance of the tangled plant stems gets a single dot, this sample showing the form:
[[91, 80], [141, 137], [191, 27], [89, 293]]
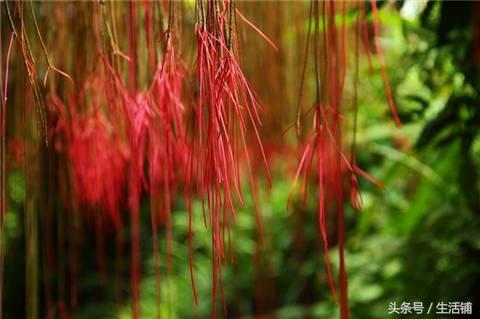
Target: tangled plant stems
[[121, 140], [96, 153], [19, 35], [3, 186], [326, 143], [122, 128], [225, 113]]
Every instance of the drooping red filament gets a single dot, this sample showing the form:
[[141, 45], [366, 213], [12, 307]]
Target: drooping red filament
[[336, 166], [386, 83], [225, 116], [97, 154], [167, 150]]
